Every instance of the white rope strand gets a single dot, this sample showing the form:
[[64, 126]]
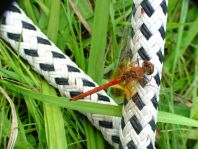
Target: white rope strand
[[139, 114]]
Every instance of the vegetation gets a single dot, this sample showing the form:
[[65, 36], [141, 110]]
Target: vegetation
[[46, 120]]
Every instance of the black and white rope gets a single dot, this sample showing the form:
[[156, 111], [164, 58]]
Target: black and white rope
[[139, 114], [57, 68], [136, 128]]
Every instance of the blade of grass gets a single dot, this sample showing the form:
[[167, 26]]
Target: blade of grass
[[176, 56], [52, 29], [43, 7], [85, 8], [91, 107], [64, 102], [191, 34], [171, 118], [99, 39], [54, 123], [194, 109], [184, 11], [35, 112], [89, 135], [80, 16], [99, 140]]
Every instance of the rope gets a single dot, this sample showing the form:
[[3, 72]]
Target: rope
[[136, 128], [139, 115]]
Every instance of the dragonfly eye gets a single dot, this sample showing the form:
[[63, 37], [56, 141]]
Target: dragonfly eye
[[148, 67]]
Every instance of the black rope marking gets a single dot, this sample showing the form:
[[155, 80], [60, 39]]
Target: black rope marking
[[122, 123], [62, 81], [120, 146], [3, 20], [73, 93], [31, 52], [148, 9], [157, 79], [152, 124], [143, 81], [103, 98], [145, 31], [131, 145], [105, 124], [150, 146], [15, 37], [133, 9], [135, 123], [154, 101], [57, 55], [115, 139], [160, 56], [132, 33], [88, 83], [164, 7], [14, 9], [72, 69], [143, 54], [28, 26], [43, 41], [137, 100], [162, 32], [46, 67]]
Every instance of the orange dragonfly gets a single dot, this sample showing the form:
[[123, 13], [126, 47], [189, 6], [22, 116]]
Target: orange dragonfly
[[133, 73]]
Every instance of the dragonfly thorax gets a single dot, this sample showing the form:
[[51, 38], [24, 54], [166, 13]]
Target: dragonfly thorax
[[133, 73]]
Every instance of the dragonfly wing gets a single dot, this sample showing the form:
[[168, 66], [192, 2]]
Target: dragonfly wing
[[123, 60], [126, 52], [130, 89]]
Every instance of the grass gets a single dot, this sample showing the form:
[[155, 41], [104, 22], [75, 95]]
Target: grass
[[46, 120]]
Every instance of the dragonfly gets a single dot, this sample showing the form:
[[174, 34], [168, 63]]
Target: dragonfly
[[133, 73], [130, 72]]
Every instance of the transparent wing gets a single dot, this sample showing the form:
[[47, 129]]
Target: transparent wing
[[126, 53], [123, 61]]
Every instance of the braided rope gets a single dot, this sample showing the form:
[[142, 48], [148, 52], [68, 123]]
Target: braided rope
[[54, 66], [139, 115], [136, 128]]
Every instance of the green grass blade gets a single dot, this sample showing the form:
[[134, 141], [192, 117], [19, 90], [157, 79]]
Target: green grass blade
[[191, 34], [194, 109], [54, 123], [64, 102], [171, 118], [52, 30], [85, 9], [99, 39], [184, 11]]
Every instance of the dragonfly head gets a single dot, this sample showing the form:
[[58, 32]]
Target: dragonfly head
[[148, 67]]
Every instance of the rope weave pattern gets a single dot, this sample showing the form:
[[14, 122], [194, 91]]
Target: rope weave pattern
[[136, 128], [139, 115]]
